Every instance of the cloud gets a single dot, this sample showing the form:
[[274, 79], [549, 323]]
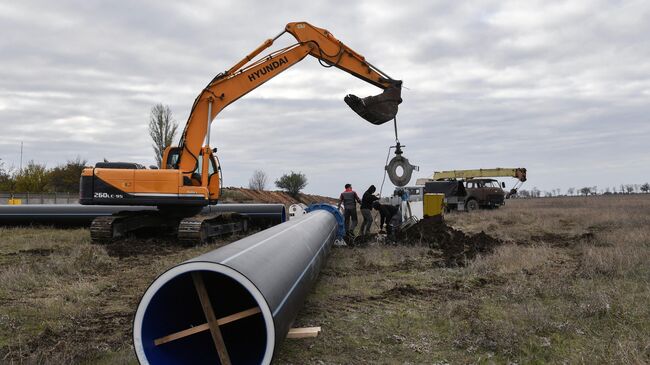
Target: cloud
[[559, 88]]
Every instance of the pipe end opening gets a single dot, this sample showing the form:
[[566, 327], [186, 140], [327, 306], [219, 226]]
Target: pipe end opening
[[171, 328]]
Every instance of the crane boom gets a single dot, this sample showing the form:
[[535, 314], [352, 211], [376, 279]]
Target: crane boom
[[518, 173]]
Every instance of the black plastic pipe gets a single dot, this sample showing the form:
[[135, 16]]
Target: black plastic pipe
[[261, 215], [272, 270]]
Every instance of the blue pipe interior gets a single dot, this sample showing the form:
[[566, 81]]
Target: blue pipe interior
[[176, 307]]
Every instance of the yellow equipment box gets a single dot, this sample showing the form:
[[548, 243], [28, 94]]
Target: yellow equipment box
[[14, 202], [433, 204]]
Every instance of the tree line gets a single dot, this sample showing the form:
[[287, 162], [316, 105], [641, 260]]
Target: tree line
[[586, 191], [292, 182], [37, 178]]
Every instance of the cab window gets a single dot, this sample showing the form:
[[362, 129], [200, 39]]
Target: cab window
[[199, 169], [199, 165], [172, 158], [211, 167]]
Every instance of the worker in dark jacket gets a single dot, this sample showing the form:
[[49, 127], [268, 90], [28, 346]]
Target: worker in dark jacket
[[366, 209], [389, 216], [349, 200]]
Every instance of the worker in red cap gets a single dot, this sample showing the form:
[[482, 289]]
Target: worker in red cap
[[349, 200]]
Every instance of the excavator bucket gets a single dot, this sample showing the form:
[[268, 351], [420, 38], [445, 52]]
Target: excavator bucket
[[377, 109]]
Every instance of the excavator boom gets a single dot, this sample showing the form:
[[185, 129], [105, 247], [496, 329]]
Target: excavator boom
[[189, 176], [246, 75]]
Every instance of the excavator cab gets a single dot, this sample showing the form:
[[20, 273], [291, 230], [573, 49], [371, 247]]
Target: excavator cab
[[205, 174], [209, 175], [171, 156]]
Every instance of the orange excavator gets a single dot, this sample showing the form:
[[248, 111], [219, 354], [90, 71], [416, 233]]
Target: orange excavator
[[189, 178]]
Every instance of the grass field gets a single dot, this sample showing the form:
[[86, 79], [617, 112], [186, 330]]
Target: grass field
[[570, 283]]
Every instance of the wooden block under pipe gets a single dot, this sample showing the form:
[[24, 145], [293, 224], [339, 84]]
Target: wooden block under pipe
[[303, 332]]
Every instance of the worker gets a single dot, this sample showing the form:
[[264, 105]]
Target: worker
[[389, 216], [349, 199], [366, 209]]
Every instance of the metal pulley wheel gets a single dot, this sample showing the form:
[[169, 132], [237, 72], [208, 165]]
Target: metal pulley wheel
[[396, 163]]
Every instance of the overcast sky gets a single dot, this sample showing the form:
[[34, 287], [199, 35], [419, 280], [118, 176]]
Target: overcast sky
[[559, 87]]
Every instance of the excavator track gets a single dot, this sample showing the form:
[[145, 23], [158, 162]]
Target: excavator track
[[109, 228], [101, 229], [193, 230], [201, 228]]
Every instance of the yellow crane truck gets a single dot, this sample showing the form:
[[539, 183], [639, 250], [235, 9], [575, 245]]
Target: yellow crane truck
[[473, 189]]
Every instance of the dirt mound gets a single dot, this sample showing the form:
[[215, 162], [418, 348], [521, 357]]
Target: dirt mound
[[242, 195], [457, 247]]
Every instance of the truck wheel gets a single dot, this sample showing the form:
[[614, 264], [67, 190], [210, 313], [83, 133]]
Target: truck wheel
[[471, 205]]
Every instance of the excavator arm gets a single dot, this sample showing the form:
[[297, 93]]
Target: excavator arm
[[190, 175], [246, 75]]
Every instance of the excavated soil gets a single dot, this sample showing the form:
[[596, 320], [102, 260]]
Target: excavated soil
[[457, 247], [242, 195]]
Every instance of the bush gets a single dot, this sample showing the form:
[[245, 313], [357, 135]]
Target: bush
[[65, 178], [33, 178], [292, 183]]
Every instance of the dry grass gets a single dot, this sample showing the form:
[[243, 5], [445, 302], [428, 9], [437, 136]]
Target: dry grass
[[65, 300], [570, 284]]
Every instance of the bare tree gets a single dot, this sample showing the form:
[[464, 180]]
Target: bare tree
[[258, 180], [535, 193], [162, 129], [570, 191], [586, 191]]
